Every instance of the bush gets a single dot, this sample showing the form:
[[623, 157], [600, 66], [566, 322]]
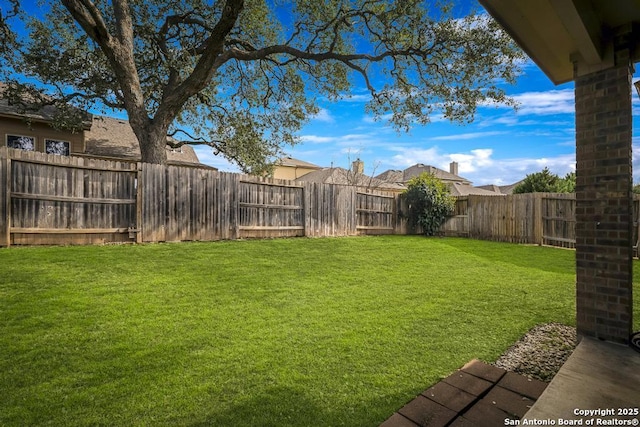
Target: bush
[[430, 203], [546, 182]]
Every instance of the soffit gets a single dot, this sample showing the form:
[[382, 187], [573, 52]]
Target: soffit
[[557, 33]]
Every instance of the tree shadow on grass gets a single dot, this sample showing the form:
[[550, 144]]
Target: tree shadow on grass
[[554, 260], [276, 406], [286, 406]]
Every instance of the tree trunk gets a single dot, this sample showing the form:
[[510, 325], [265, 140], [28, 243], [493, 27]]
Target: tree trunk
[[152, 139]]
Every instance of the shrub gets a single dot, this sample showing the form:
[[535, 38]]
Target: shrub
[[547, 182], [430, 203]]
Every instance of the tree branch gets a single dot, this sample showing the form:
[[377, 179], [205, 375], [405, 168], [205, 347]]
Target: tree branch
[[90, 19], [175, 97]]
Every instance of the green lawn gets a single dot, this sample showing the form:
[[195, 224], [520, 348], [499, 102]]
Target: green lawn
[[300, 332]]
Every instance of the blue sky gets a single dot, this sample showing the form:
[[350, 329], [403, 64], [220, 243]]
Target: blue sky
[[500, 147]]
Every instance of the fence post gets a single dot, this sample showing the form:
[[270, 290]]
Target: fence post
[[538, 223], [139, 202], [5, 201], [235, 206]]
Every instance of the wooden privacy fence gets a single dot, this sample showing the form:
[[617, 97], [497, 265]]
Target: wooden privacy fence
[[534, 218], [48, 199]]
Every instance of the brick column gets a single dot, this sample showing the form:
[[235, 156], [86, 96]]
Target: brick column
[[604, 201]]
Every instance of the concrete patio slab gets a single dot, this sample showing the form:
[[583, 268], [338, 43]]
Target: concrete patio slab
[[597, 376]]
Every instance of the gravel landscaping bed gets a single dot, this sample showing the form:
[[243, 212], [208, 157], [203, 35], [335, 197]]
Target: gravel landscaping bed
[[540, 352]]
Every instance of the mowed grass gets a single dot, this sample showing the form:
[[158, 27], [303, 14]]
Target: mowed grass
[[294, 332]]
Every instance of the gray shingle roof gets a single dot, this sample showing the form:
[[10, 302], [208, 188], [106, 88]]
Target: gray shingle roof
[[397, 176], [346, 177], [391, 175], [111, 137], [461, 189], [419, 168], [502, 189], [290, 161], [45, 114]]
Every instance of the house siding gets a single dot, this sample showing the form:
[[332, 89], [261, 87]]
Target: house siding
[[40, 131]]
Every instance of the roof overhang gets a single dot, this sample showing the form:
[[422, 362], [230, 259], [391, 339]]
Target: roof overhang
[[558, 33]]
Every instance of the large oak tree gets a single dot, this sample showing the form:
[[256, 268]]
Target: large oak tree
[[244, 76]]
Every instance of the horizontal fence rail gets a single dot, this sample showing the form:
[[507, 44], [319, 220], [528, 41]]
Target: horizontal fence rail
[[49, 199]]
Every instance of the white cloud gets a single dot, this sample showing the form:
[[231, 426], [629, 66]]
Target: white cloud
[[471, 135], [411, 156], [507, 120], [315, 139], [206, 156], [323, 115], [355, 97], [545, 103], [383, 118], [476, 159], [509, 171]]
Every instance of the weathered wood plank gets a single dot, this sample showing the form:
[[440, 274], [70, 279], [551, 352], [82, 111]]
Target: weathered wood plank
[[5, 197], [271, 227], [71, 199], [68, 230], [112, 166], [266, 206]]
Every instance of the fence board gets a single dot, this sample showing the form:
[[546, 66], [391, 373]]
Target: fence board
[[5, 196], [151, 185]]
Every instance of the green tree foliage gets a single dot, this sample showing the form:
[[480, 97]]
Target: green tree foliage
[[568, 183], [547, 182], [430, 202], [243, 76]]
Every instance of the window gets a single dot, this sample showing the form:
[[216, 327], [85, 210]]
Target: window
[[52, 146], [21, 142]]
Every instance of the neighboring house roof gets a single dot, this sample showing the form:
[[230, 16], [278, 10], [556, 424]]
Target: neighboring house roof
[[460, 189], [291, 162], [45, 114], [346, 177], [391, 175], [111, 137], [419, 169], [458, 185], [501, 189], [490, 187], [397, 176], [508, 189]]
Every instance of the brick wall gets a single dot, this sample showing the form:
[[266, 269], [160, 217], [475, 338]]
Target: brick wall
[[604, 210]]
